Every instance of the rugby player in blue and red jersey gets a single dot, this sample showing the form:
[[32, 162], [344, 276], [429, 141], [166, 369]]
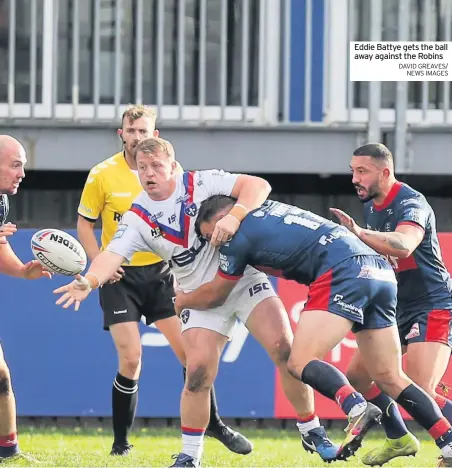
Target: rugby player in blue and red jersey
[[401, 225]]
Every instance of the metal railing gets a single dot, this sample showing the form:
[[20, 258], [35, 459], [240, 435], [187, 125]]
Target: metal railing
[[271, 62], [392, 20]]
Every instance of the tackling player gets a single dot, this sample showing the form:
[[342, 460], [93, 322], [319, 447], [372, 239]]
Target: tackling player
[[162, 220], [401, 225], [12, 164], [142, 288], [351, 287]]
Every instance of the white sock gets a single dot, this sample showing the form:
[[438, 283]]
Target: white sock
[[193, 443], [357, 409], [305, 427], [446, 451]]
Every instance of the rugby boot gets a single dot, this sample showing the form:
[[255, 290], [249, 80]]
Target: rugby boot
[[358, 427], [316, 440], [404, 446], [121, 450], [183, 460], [443, 461], [231, 439]]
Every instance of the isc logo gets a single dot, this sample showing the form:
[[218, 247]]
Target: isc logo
[[257, 288]]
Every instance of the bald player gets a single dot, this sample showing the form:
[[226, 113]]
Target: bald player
[[12, 164]]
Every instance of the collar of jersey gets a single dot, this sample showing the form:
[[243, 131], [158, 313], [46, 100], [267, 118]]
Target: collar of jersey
[[395, 189], [173, 235]]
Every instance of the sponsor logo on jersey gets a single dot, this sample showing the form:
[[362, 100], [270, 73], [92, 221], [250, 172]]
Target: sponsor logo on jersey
[[118, 312], [188, 256], [182, 198], [224, 263], [156, 232], [416, 215], [388, 227], [154, 217], [338, 299], [121, 194], [85, 208]]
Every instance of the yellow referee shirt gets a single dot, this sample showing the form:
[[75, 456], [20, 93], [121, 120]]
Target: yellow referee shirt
[[109, 192]]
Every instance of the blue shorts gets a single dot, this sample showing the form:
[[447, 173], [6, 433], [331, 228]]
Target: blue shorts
[[425, 326], [362, 289]]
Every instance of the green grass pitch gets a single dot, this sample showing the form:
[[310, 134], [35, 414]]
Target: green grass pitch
[[79, 447]]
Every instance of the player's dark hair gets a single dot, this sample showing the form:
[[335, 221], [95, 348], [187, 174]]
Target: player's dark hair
[[210, 207], [374, 150]]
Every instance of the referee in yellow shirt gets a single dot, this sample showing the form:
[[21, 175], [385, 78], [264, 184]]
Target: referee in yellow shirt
[[142, 288]]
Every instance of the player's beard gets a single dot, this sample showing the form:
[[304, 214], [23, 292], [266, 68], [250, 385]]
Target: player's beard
[[367, 194]]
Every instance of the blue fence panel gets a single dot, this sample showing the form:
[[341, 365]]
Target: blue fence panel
[[63, 363], [299, 60]]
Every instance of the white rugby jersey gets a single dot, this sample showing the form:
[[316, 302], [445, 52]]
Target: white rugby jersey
[[167, 228]]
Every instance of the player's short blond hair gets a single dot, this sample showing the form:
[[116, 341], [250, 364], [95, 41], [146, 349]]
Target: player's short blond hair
[[136, 111], [154, 145]]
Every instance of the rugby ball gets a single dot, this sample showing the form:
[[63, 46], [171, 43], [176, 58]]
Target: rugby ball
[[59, 252]]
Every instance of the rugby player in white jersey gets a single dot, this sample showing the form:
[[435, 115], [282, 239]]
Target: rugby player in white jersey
[[162, 220]]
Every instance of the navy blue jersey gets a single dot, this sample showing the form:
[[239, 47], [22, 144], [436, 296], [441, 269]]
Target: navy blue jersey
[[4, 208], [290, 242], [424, 283]]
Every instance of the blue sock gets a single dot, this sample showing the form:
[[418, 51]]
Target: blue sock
[[392, 420], [331, 383]]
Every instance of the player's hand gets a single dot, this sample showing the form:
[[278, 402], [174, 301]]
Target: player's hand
[[179, 301], [74, 292], [34, 270], [117, 276], [7, 230], [346, 221], [224, 230]]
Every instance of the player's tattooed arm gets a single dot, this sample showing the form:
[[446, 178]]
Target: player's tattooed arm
[[401, 243], [386, 243]]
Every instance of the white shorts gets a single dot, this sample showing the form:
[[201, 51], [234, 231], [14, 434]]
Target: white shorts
[[247, 294]]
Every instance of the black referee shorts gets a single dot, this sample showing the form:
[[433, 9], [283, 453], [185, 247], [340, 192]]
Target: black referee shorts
[[145, 291]]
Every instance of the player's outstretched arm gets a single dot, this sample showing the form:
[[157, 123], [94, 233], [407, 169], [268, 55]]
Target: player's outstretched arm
[[102, 268], [401, 243], [250, 192], [209, 295]]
